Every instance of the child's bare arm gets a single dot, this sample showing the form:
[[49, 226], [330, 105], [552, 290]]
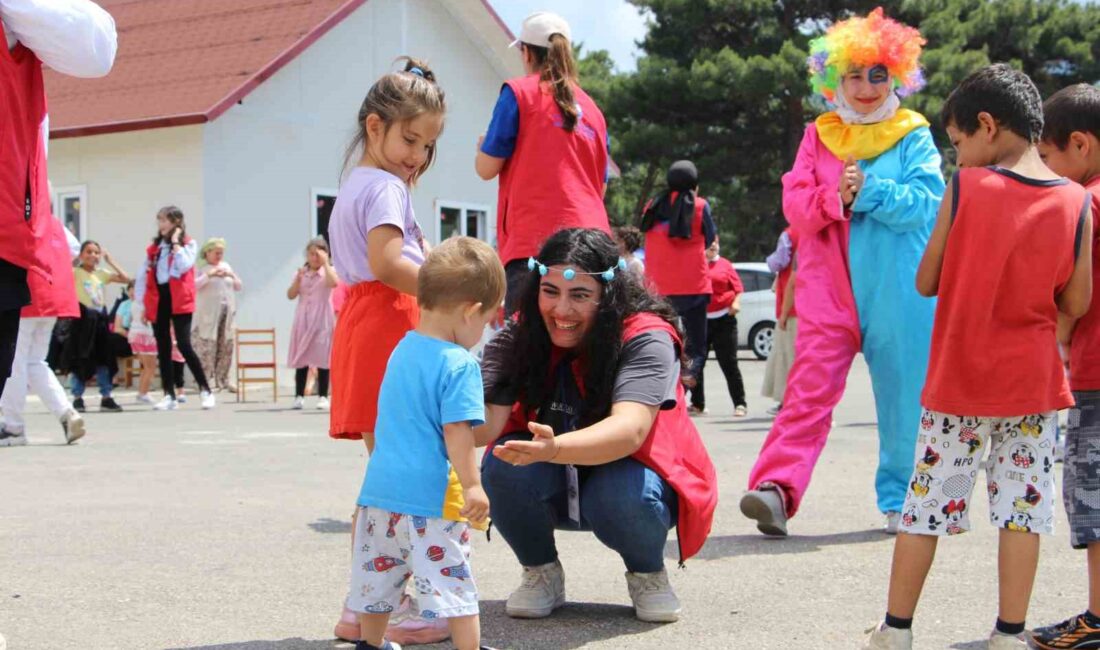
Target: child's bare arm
[[459, 437], [386, 262], [496, 416], [1076, 296], [928, 274], [1065, 329]]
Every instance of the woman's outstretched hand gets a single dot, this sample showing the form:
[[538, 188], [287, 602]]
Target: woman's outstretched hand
[[542, 448]]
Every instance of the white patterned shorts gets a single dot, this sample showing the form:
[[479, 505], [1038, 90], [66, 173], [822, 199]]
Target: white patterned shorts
[[391, 548], [1018, 457]]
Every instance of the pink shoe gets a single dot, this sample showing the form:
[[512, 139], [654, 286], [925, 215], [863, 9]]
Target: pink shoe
[[347, 628], [408, 627]]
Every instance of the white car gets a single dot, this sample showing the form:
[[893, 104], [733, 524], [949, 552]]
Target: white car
[[756, 321]]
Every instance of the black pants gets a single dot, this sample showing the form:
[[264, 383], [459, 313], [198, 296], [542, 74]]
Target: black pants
[[300, 375], [693, 318], [162, 331], [722, 336], [9, 334]]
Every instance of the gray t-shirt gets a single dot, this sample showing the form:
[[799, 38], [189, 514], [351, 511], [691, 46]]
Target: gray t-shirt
[[649, 370]]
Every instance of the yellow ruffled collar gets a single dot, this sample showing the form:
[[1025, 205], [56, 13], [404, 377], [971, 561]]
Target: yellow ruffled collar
[[866, 141]]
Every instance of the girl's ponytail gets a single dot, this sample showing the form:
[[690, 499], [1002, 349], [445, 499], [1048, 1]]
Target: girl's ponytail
[[560, 71]]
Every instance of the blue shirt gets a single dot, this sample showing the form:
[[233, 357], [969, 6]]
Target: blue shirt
[[500, 138], [428, 383], [125, 312]]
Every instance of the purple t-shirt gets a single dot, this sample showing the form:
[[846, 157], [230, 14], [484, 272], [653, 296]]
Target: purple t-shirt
[[369, 198]]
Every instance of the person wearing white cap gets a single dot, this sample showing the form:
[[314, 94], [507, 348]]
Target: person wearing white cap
[[548, 142]]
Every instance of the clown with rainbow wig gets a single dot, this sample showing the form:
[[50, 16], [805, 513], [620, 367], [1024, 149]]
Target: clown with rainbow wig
[[862, 197]]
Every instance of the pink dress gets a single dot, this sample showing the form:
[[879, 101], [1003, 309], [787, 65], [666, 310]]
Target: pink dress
[[314, 320]]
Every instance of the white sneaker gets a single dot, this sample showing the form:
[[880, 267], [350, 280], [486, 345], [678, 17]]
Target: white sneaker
[[299, 403], [893, 519], [144, 398], [541, 592], [998, 641], [882, 637], [11, 439], [166, 404], [73, 425], [181, 398], [322, 404], [208, 401], [653, 598]]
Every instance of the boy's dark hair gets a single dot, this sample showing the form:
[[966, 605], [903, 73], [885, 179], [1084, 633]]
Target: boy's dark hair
[[1073, 108], [1004, 92], [631, 238]]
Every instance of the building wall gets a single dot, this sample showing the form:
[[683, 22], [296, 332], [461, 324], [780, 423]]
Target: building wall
[[128, 177], [263, 156]]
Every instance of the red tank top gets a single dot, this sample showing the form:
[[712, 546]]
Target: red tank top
[[675, 266], [1011, 250], [554, 178], [24, 197], [1084, 349]]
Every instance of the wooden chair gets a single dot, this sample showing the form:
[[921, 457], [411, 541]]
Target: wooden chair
[[131, 369], [270, 375]]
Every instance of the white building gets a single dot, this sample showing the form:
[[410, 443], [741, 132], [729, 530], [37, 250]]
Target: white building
[[239, 112]]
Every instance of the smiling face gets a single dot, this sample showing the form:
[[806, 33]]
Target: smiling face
[[164, 225], [214, 256], [866, 89], [89, 256], [313, 257], [403, 148], [568, 307]]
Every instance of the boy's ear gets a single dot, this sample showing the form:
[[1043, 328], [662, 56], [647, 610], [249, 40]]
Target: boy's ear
[[987, 124], [472, 309], [1084, 143]]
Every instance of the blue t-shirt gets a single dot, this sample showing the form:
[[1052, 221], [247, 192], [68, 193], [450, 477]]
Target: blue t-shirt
[[500, 138], [125, 310], [428, 383]]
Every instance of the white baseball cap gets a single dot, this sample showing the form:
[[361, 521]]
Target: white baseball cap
[[539, 27]]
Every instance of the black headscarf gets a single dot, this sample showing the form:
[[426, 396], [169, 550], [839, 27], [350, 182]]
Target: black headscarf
[[682, 179]]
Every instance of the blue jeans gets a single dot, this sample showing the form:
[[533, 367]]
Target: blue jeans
[[102, 378], [627, 505]]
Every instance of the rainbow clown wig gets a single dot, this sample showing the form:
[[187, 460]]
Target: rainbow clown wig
[[867, 42]]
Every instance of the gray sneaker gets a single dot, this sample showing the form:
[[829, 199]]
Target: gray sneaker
[[882, 637], [998, 641], [73, 426], [541, 592], [12, 439], [893, 519], [653, 598], [765, 505]]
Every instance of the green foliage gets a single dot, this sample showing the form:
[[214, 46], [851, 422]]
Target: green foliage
[[723, 82]]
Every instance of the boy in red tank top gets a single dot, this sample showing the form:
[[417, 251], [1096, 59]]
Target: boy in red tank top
[[1071, 147], [1011, 250]]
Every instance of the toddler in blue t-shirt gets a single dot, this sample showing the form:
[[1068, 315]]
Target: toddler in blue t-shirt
[[430, 401]]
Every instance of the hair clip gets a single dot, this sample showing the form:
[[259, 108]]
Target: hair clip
[[416, 71], [533, 264], [569, 273]]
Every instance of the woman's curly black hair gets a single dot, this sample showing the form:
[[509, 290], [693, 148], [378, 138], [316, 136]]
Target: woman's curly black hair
[[589, 251]]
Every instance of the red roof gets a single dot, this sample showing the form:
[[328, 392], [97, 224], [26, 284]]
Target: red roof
[[187, 61]]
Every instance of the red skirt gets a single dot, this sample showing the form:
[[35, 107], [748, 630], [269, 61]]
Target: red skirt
[[372, 322]]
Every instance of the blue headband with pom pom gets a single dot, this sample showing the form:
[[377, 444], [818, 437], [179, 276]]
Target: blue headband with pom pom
[[569, 273]]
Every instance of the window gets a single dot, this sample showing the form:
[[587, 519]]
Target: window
[[70, 204], [756, 280], [321, 202], [462, 219]]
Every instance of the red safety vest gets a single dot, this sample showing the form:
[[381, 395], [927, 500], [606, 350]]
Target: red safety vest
[[54, 296], [554, 178], [675, 266], [673, 449], [182, 288], [24, 193]]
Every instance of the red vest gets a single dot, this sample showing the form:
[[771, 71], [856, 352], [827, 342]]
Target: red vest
[[673, 449], [24, 194], [54, 296], [674, 266], [1010, 251], [182, 288], [554, 178]]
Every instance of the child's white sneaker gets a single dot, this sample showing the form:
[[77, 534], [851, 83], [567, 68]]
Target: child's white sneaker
[[883, 637], [322, 404], [207, 398], [168, 403], [144, 398], [998, 641], [299, 403]]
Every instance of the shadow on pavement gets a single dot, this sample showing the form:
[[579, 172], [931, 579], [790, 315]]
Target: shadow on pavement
[[859, 425], [296, 643], [329, 525], [971, 645], [725, 546]]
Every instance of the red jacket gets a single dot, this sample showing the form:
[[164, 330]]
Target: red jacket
[[181, 288], [673, 449], [554, 178], [725, 284], [54, 296], [674, 266], [24, 194]]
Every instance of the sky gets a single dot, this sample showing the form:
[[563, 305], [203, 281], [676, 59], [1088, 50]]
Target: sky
[[612, 25]]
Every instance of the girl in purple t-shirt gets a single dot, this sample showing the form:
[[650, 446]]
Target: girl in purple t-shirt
[[378, 248]]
